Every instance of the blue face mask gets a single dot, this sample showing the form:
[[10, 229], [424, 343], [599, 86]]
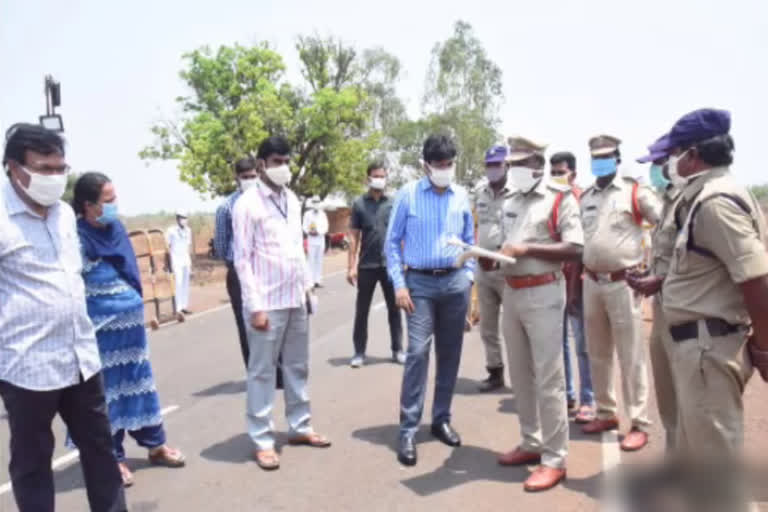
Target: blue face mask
[[657, 177], [603, 167], [108, 214]]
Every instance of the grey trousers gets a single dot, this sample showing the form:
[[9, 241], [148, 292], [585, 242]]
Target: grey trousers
[[288, 335]]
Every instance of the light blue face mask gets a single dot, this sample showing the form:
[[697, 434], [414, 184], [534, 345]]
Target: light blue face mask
[[603, 167], [657, 177], [108, 214]]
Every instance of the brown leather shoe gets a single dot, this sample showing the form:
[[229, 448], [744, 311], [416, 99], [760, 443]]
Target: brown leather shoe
[[634, 440], [597, 426], [544, 478], [519, 457]]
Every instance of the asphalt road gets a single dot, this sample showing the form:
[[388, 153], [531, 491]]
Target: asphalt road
[[201, 384]]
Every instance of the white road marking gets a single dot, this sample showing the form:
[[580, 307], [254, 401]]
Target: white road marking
[[609, 441], [75, 454], [379, 306]]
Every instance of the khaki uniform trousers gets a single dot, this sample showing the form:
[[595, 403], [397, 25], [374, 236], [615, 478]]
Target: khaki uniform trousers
[[660, 346], [533, 330], [710, 375], [490, 294], [613, 320]]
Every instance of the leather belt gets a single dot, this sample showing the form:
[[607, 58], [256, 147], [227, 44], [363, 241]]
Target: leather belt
[[518, 282], [690, 330], [433, 271], [609, 277]]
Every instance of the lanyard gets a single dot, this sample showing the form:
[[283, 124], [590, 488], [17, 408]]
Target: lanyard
[[283, 211]]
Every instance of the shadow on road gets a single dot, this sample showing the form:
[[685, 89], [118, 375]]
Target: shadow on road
[[507, 406], [466, 464], [224, 388], [239, 449], [465, 386], [336, 362], [388, 435], [236, 450]]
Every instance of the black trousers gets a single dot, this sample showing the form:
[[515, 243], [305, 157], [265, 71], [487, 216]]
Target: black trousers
[[236, 299], [84, 411], [366, 285]]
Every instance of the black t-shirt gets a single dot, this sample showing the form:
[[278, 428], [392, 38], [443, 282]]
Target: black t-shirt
[[371, 217]]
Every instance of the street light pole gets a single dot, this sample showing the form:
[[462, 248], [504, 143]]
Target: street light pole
[[51, 120]]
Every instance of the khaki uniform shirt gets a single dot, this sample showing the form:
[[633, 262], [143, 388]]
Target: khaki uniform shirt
[[526, 220], [612, 239], [700, 285], [664, 234], [488, 208]]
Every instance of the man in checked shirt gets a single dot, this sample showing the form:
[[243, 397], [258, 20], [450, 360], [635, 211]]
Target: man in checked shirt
[[275, 280]]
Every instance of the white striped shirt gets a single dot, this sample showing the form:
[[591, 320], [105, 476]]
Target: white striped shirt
[[269, 250], [46, 338]]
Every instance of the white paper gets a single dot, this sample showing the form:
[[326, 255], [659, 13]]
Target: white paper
[[473, 251]]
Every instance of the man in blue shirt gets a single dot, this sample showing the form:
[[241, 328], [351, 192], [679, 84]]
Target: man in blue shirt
[[426, 215], [246, 176]]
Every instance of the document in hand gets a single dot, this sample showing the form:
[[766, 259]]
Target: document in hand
[[473, 251]]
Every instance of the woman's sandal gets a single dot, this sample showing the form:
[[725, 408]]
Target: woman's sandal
[[267, 459], [168, 457], [125, 474]]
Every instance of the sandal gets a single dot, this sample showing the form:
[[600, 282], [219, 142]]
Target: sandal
[[125, 474], [314, 439], [168, 457], [267, 459]]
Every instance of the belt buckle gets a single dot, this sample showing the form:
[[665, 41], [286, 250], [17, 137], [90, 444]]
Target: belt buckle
[[603, 278]]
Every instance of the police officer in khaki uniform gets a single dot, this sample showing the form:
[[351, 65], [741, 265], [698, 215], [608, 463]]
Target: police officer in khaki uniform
[[649, 285], [612, 213], [534, 307], [489, 280], [715, 296]]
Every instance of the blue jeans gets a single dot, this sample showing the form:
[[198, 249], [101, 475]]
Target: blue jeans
[[440, 304], [585, 377], [147, 437]]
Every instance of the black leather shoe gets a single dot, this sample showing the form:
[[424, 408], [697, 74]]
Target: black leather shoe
[[445, 433], [406, 452]]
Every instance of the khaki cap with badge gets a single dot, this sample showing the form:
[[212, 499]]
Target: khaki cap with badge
[[602, 145], [521, 148]]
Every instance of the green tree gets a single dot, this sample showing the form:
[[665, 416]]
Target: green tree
[[239, 96], [69, 192], [463, 96]]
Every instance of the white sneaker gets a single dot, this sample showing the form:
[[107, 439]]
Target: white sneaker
[[357, 361], [399, 357]]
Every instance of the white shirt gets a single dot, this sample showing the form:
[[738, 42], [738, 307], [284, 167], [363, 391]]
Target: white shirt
[[269, 253], [47, 340], [179, 243], [318, 220]]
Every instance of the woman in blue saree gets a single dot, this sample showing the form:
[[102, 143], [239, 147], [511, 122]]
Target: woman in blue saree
[[115, 305]]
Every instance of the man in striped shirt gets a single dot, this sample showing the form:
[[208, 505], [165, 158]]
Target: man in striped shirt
[[426, 215], [275, 281]]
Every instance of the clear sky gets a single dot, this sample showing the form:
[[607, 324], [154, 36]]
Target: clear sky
[[572, 69]]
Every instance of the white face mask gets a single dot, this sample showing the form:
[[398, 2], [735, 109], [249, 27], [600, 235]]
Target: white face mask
[[245, 184], [674, 176], [43, 189], [377, 183], [522, 178], [280, 175], [442, 178]]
